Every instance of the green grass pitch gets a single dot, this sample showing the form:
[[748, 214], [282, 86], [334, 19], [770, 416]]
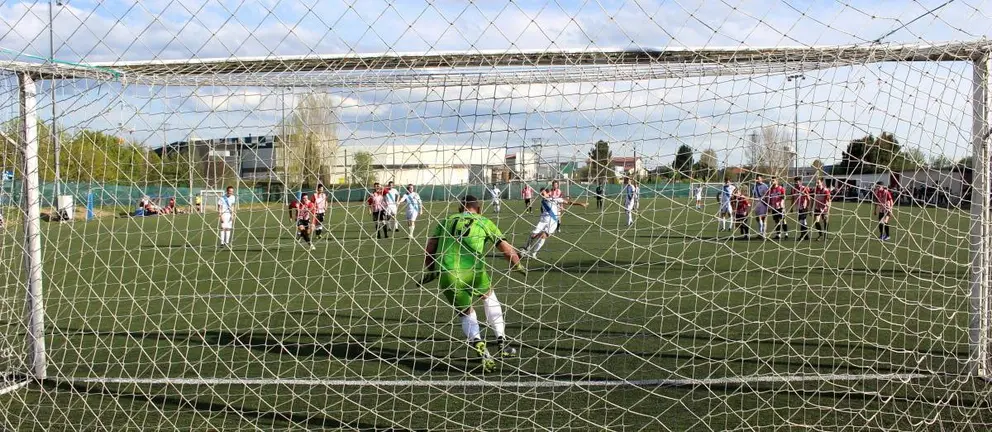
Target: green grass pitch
[[668, 299]]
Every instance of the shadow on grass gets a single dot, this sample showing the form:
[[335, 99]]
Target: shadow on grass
[[296, 419]]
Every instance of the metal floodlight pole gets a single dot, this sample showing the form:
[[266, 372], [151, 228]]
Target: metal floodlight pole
[[795, 125], [56, 145]]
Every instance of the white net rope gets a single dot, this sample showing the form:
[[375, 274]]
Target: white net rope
[[644, 309]]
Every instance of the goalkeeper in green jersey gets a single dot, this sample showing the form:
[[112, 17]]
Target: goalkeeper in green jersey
[[456, 254]]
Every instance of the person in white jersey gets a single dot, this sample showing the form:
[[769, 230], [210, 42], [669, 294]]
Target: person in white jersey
[[225, 207], [725, 215], [496, 197], [699, 196], [630, 198], [414, 205], [320, 203], [547, 224], [392, 198]]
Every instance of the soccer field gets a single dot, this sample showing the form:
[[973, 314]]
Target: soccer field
[[650, 328]]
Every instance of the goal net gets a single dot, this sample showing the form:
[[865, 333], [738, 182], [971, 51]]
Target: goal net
[[635, 310]]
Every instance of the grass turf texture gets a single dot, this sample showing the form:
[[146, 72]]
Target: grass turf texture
[[670, 298]]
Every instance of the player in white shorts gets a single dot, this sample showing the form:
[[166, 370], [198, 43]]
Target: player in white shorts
[[496, 198], [320, 202], [699, 196], [547, 224], [414, 205], [761, 205], [392, 197], [726, 213], [225, 206], [631, 199]]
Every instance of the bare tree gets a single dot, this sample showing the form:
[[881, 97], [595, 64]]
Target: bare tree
[[769, 151], [311, 142]]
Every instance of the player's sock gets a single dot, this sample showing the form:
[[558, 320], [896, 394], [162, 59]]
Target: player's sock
[[881, 229], [537, 245], [494, 315], [761, 227], [887, 232], [470, 326], [306, 236]]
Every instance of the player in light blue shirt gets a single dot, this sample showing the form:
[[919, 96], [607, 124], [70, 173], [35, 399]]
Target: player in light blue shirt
[[414, 205]]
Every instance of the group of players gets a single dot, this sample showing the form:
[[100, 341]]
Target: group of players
[[736, 207]]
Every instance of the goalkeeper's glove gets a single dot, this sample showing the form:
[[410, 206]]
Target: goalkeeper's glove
[[519, 268], [428, 277]]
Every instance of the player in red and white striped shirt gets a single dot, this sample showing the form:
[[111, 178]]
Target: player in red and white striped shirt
[[305, 219], [320, 204], [377, 205], [821, 209], [802, 202], [883, 206]]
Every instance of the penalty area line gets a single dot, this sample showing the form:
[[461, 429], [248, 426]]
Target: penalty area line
[[687, 382]]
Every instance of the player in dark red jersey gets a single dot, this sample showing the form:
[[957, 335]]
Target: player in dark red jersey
[[293, 206], [776, 204], [821, 209], [306, 217], [742, 211], [883, 207], [802, 201]]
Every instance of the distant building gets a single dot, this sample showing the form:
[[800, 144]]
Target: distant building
[[628, 166], [427, 164], [248, 158]]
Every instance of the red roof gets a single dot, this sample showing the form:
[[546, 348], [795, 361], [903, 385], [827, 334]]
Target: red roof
[[627, 162]]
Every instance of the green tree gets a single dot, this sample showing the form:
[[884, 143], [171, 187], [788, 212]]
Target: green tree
[[870, 154], [683, 161], [818, 166], [362, 170], [600, 158], [310, 144], [941, 161], [707, 165]]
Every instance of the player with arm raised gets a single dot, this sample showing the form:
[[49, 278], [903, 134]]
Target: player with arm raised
[[320, 207], [776, 205], [548, 223], [802, 201], [305, 220], [884, 204], [226, 206], [725, 214], [414, 205], [760, 195], [821, 209], [456, 254]]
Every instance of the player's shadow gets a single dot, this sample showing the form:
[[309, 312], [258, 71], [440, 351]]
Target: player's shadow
[[594, 265], [276, 419], [680, 237]]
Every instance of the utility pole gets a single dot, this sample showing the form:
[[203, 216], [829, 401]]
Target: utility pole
[[56, 145], [537, 145], [795, 79]]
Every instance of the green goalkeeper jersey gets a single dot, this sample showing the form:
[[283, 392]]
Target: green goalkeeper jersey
[[462, 240]]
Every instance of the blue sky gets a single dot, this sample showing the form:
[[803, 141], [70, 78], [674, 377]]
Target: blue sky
[[926, 105]]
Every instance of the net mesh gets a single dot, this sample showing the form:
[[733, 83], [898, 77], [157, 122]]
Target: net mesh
[[169, 305]]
